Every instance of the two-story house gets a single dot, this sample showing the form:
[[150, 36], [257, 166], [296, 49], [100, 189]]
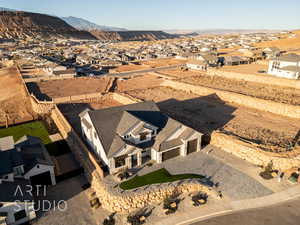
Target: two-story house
[[287, 66], [129, 136]]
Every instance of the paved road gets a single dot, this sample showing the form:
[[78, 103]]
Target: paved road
[[142, 71], [283, 214]]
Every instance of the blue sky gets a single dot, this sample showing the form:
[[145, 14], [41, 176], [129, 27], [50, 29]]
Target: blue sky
[[172, 14]]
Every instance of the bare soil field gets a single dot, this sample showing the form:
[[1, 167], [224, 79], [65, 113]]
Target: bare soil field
[[69, 87], [71, 110], [268, 92], [127, 68], [14, 103], [163, 62], [247, 68], [283, 44], [138, 82], [209, 113], [178, 73]]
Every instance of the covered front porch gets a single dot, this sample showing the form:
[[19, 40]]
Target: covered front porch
[[128, 161]]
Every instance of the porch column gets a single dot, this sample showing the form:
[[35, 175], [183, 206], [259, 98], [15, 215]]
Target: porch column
[[139, 158], [129, 162]]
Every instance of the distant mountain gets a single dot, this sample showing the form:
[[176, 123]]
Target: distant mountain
[[6, 9], [219, 31], [23, 25], [82, 24], [132, 35]]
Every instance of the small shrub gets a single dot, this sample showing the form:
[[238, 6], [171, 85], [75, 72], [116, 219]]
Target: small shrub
[[170, 205]]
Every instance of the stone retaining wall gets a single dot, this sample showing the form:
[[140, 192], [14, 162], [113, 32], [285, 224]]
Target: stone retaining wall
[[254, 155], [46, 78], [75, 98], [129, 201], [243, 100], [41, 107], [264, 79]]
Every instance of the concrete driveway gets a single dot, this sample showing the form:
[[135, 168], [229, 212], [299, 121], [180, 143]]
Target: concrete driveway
[[232, 182]]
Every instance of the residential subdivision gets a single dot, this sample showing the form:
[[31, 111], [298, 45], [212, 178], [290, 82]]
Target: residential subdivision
[[146, 127]]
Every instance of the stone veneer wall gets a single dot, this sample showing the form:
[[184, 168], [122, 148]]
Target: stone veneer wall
[[264, 79], [243, 100], [254, 155]]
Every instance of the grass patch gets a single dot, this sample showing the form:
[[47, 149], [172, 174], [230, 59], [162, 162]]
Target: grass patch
[[35, 129], [156, 177]]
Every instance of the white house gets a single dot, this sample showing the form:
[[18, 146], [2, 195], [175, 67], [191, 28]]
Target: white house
[[129, 136], [196, 65], [287, 66], [26, 159]]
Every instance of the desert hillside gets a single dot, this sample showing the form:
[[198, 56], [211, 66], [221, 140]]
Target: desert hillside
[[284, 43], [131, 35], [21, 25]]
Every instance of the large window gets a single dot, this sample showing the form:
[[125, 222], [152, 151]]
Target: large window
[[120, 161], [20, 215]]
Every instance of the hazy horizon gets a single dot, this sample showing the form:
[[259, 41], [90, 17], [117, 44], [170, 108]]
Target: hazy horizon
[[172, 14]]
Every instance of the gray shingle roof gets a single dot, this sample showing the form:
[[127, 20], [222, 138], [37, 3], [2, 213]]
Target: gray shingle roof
[[106, 121]]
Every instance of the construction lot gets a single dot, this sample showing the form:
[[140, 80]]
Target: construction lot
[[208, 113], [163, 62], [138, 82], [15, 104], [247, 68], [268, 92], [69, 87]]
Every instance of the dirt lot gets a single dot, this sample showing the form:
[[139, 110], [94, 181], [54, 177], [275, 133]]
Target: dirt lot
[[267, 92], [13, 100], [138, 82], [178, 73], [127, 68], [69, 87], [163, 62], [71, 110], [208, 113], [247, 68]]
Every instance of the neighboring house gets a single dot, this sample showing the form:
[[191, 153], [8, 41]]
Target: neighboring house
[[287, 66], [129, 136], [27, 159], [209, 59], [271, 52], [233, 60], [196, 65], [65, 73], [16, 203]]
